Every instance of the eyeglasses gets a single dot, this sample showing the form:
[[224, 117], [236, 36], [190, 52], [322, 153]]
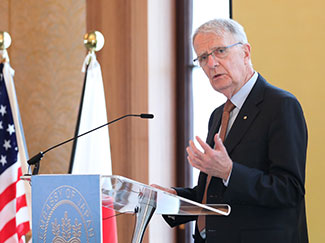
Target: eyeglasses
[[219, 52]]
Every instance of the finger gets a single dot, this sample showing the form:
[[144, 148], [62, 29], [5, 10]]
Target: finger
[[169, 190], [193, 163], [190, 152], [156, 186], [218, 145], [194, 160], [204, 145], [196, 152]]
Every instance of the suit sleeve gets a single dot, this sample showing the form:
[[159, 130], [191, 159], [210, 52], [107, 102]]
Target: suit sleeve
[[281, 182]]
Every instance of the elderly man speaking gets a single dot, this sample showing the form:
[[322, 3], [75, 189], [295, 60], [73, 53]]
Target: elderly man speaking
[[254, 157]]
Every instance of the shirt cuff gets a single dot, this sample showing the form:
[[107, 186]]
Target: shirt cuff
[[226, 182]]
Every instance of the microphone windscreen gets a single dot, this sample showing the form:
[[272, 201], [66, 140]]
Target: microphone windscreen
[[146, 116]]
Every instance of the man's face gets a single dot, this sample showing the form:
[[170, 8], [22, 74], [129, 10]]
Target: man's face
[[229, 73]]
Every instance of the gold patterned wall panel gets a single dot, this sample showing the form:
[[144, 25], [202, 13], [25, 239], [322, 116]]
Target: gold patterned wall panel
[[47, 53], [4, 9]]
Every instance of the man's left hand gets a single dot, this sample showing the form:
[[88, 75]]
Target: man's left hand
[[212, 161]]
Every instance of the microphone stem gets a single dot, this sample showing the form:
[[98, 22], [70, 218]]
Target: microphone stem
[[89, 132]]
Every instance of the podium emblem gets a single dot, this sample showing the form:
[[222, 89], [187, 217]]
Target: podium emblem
[[63, 232], [67, 209]]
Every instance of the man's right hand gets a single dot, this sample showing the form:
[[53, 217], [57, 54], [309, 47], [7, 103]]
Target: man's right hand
[[169, 190]]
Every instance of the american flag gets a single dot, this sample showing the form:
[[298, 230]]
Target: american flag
[[14, 219]]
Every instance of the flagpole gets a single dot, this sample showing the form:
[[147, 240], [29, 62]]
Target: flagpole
[[78, 121], [15, 161]]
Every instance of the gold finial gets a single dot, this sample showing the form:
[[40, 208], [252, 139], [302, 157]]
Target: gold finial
[[5, 40], [94, 41]]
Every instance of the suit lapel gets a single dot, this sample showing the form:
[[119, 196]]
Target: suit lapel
[[246, 115]]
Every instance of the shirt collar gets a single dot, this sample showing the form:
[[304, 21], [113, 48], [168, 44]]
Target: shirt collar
[[239, 98]]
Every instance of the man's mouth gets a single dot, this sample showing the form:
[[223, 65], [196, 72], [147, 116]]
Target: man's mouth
[[217, 76]]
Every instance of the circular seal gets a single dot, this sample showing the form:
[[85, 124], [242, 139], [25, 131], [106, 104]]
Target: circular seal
[[66, 217]]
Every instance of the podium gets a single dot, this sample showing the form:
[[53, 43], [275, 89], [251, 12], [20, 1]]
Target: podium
[[67, 208]]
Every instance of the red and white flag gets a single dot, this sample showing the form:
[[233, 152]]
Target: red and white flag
[[14, 213], [91, 153]]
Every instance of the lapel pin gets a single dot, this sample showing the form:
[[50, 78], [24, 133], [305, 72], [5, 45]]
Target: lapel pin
[[245, 117]]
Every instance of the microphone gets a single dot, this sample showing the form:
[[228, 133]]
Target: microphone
[[146, 116], [35, 160]]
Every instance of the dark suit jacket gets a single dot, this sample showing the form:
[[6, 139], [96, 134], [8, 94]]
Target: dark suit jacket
[[266, 187]]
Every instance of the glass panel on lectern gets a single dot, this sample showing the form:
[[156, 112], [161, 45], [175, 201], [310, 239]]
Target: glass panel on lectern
[[124, 195]]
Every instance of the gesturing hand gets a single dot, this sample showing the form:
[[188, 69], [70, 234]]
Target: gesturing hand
[[214, 162]]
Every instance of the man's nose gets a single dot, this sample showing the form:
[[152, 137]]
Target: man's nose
[[212, 61]]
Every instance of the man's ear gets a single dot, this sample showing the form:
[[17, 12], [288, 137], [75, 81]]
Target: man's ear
[[247, 52]]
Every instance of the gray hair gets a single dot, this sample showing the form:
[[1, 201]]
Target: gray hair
[[222, 26]]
